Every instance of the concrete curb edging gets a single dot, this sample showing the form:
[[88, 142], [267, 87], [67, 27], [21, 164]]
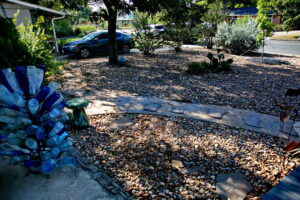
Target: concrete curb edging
[[101, 177]]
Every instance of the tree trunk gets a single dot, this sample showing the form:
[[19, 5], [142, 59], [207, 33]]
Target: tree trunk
[[112, 43], [263, 50]]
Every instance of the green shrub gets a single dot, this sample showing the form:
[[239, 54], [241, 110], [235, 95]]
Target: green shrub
[[13, 51], [145, 40], [211, 19], [219, 64], [84, 29], [216, 65], [177, 35], [279, 27], [237, 38], [243, 20], [26, 45], [63, 28], [35, 39], [198, 68]]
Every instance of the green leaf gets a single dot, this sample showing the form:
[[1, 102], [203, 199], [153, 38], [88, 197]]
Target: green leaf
[[210, 56]]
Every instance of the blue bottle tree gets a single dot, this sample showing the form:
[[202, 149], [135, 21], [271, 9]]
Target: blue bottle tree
[[32, 129]]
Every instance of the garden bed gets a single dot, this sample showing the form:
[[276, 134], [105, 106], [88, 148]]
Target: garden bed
[[145, 157], [250, 85]]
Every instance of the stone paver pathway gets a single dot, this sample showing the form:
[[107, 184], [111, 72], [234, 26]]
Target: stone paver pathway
[[107, 102]]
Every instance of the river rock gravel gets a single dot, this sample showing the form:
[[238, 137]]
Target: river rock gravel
[[252, 86], [177, 158]]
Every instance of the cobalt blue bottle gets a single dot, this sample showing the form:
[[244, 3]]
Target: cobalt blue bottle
[[49, 102], [21, 75], [43, 93]]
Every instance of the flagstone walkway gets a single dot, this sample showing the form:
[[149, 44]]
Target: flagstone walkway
[[105, 102]]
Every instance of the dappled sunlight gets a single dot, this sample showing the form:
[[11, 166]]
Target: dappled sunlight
[[251, 86], [142, 156]]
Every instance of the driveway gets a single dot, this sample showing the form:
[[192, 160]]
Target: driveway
[[282, 47]]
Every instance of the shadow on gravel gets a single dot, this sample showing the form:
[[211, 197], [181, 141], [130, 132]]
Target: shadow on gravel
[[249, 86], [140, 157]]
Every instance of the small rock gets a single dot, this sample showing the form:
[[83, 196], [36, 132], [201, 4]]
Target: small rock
[[152, 107], [120, 123], [177, 164]]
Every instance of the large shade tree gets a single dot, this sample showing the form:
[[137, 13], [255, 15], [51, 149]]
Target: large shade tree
[[115, 7]]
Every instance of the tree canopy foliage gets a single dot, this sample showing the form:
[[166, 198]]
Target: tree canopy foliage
[[290, 11], [62, 4]]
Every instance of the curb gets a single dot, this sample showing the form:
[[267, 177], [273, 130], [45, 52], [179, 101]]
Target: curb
[[100, 177]]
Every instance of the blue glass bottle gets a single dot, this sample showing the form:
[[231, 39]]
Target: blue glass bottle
[[48, 166], [33, 106], [11, 112], [43, 93], [56, 129], [49, 125], [4, 81], [62, 137], [50, 115], [65, 145], [31, 163], [53, 86], [11, 78], [14, 141], [11, 98], [21, 76], [21, 134], [31, 75], [31, 130], [39, 77], [31, 143], [40, 133], [53, 140], [49, 102], [9, 152]]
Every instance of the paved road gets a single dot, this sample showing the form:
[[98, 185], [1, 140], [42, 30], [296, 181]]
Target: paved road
[[282, 47]]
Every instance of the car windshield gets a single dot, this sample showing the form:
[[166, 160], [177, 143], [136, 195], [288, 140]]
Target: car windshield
[[159, 27], [90, 36]]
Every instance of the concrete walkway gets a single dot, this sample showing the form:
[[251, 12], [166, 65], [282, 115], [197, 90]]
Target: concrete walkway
[[105, 102], [83, 182]]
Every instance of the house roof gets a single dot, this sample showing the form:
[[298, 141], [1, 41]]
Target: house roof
[[33, 6], [245, 11]]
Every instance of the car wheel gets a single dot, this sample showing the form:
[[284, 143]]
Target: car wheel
[[84, 53], [125, 48]]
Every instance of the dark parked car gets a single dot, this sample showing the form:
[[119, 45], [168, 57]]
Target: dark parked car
[[97, 42]]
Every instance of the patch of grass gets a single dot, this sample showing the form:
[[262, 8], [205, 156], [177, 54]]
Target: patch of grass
[[291, 36], [66, 40]]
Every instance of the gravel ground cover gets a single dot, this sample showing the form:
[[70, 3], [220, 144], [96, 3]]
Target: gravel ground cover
[[250, 85], [178, 158]]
